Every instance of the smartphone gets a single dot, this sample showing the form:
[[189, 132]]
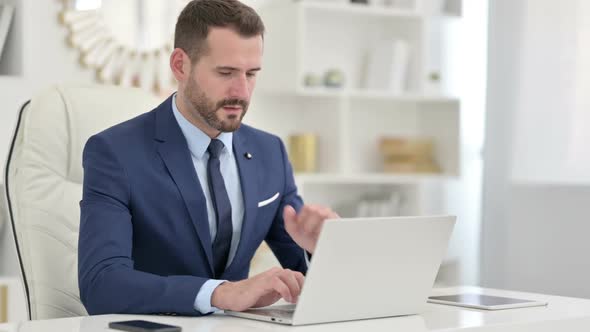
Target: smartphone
[[143, 326]]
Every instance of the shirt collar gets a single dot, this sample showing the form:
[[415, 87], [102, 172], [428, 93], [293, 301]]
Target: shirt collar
[[196, 139]]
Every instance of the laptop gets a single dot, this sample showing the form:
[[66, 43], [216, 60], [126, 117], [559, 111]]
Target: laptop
[[366, 268]]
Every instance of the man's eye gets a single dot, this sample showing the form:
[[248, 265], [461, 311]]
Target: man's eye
[[251, 74], [224, 73]]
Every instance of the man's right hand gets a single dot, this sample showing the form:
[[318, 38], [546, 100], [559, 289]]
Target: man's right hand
[[259, 291]]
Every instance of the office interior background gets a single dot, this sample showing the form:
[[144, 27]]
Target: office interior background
[[498, 88]]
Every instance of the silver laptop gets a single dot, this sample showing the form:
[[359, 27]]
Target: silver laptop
[[367, 268]]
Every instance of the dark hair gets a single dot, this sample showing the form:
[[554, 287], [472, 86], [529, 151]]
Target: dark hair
[[192, 27]]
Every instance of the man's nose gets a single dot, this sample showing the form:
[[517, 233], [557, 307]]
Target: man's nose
[[240, 87]]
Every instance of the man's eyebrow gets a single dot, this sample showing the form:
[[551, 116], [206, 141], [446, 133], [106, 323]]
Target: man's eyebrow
[[236, 69]]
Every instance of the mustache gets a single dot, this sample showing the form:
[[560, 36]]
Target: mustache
[[232, 102]]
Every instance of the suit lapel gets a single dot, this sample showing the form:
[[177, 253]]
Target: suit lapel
[[174, 151], [247, 169]]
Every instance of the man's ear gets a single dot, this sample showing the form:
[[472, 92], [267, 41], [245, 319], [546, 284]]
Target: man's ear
[[180, 65]]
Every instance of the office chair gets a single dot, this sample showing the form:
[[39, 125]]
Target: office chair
[[44, 186]]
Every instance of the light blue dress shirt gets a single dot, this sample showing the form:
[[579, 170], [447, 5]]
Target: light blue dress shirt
[[198, 142]]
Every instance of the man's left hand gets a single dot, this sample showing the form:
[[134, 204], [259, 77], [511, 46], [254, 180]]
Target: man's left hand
[[304, 228]]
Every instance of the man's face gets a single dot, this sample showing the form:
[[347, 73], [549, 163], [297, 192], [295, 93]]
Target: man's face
[[221, 83]]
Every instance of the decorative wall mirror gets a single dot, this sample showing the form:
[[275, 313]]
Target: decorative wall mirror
[[127, 42]]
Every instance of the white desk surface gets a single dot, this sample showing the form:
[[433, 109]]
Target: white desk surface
[[562, 314]]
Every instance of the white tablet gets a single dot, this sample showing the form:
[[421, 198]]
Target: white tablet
[[487, 302]]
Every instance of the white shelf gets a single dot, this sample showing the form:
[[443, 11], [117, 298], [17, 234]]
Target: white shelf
[[373, 94], [358, 9], [368, 178], [312, 37]]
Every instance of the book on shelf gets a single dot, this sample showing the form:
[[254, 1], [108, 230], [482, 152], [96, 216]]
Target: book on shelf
[[6, 13], [408, 155], [387, 65]]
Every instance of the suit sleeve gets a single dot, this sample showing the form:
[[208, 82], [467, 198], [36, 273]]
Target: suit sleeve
[[107, 280], [289, 254]]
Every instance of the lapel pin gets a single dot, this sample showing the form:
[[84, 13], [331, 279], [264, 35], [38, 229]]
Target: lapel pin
[[248, 155]]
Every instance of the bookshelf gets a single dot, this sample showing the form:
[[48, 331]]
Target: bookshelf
[[314, 36], [310, 36]]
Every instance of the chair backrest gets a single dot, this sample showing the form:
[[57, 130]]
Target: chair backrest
[[44, 186]]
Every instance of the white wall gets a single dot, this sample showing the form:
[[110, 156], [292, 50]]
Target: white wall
[[534, 233], [554, 78]]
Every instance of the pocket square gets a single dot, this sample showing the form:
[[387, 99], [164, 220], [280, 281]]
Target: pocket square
[[268, 201]]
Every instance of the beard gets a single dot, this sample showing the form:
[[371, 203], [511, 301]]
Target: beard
[[211, 112]]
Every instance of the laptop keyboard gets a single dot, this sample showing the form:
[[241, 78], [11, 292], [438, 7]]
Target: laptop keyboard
[[281, 311]]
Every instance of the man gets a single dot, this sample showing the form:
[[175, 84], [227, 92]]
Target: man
[[177, 200]]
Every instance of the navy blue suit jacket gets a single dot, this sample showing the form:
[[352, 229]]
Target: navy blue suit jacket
[[144, 243]]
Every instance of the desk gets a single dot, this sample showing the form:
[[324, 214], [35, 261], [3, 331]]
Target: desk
[[562, 314]]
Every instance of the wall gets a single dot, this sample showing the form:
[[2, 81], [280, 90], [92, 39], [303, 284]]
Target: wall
[[534, 233]]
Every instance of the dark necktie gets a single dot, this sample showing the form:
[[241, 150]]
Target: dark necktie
[[222, 207]]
